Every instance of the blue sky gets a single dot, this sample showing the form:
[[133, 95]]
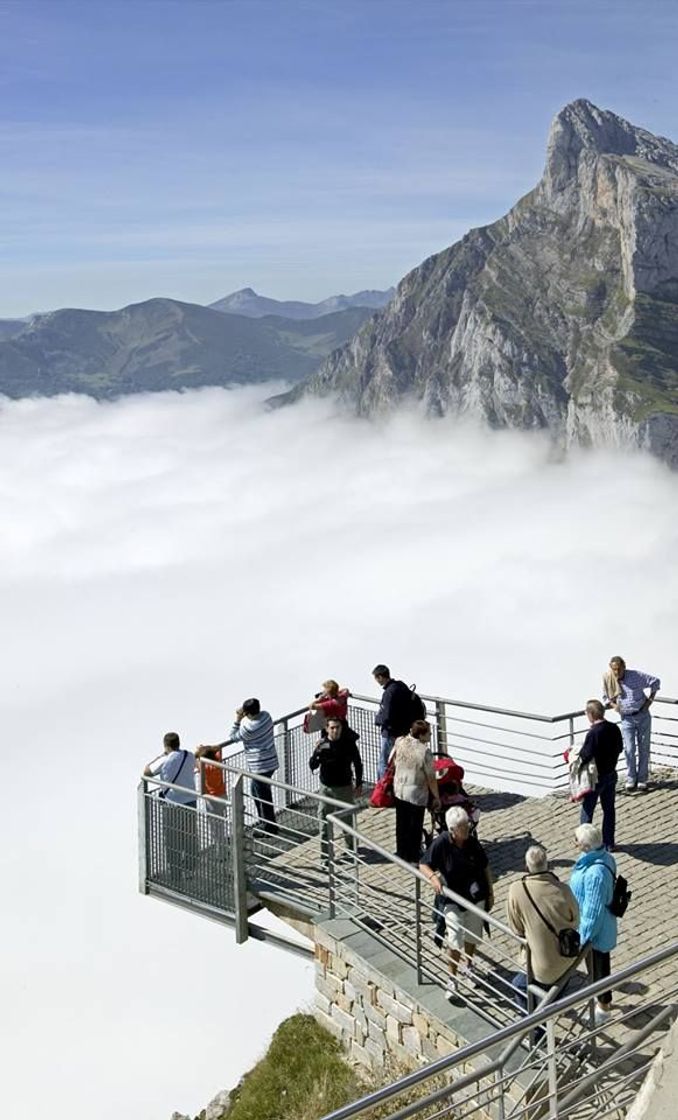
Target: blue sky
[[302, 147]]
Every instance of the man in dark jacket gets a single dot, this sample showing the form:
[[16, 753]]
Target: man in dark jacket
[[336, 756], [603, 744], [395, 713]]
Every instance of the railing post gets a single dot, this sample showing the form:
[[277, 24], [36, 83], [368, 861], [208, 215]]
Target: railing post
[[287, 760], [417, 928], [441, 725], [331, 870], [239, 866], [498, 1076], [552, 1068], [144, 833]]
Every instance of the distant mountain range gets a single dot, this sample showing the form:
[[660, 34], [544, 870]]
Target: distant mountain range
[[247, 302], [167, 344], [562, 315]]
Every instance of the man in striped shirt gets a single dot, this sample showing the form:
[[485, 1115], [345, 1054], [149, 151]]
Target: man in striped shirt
[[254, 729], [626, 690]]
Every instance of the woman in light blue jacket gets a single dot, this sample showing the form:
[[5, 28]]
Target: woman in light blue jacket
[[592, 884]]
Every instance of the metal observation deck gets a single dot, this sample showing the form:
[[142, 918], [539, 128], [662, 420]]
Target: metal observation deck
[[218, 861]]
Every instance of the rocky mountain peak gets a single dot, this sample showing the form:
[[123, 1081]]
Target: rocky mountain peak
[[582, 129], [561, 315]]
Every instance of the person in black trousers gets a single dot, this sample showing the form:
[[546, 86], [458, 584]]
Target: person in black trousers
[[603, 744], [413, 782]]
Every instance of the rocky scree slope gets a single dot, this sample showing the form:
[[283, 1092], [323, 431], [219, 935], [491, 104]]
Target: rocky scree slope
[[561, 315]]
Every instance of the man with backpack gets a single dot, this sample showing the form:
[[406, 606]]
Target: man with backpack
[[399, 708]]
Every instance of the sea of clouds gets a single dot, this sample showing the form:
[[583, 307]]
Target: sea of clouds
[[165, 556]]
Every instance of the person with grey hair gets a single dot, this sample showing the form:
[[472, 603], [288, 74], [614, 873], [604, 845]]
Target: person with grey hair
[[538, 907], [603, 744], [592, 882], [626, 691], [457, 861]]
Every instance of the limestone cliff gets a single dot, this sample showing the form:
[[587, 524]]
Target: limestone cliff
[[562, 315]]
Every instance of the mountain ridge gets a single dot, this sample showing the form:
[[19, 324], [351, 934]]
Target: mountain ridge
[[160, 344], [248, 302]]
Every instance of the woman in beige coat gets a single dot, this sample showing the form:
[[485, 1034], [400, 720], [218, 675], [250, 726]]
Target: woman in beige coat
[[414, 781]]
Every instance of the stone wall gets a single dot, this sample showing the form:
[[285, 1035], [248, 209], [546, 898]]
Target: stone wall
[[374, 1019]]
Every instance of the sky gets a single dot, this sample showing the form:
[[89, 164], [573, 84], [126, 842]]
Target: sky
[[300, 147], [167, 555]]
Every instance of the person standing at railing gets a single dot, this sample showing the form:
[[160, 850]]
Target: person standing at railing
[[395, 715], [178, 805], [254, 729], [213, 789], [337, 755], [457, 860], [413, 782], [540, 906], [331, 701], [592, 882], [603, 744], [625, 691]]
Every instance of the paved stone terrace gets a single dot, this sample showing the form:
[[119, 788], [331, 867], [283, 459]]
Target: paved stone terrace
[[647, 836]]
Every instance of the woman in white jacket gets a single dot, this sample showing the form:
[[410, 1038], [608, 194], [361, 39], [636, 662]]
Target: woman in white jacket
[[413, 782]]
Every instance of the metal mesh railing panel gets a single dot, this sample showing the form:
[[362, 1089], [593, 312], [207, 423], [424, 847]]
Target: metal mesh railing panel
[[188, 851]]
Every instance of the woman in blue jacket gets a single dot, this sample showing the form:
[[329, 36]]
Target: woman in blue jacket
[[592, 884]]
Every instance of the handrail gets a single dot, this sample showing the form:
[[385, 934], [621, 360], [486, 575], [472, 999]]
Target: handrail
[[461, 1056], [483, 708], [659, 699], [414, 871]]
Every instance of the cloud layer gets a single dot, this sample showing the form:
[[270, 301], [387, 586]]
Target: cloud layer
[[165, 556]]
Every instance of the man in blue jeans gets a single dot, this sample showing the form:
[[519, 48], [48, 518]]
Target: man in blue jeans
[[603, 744], [394, 717], [625, 691]]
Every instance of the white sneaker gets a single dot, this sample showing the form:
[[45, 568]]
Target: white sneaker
[[601, 1016], [451, 989]]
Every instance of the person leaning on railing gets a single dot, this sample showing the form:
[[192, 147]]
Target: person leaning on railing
[[254, 729], [213, 789], [457, 860], [413, 782], [625, 691], [177, 767], [331, 701]]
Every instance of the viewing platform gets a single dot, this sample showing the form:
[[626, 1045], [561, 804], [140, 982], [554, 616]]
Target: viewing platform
[[380, 976]]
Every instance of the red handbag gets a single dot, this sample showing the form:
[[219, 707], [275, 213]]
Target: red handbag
[[382, 796]]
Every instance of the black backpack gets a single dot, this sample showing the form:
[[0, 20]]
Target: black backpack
[[621, 895], [417, 705]]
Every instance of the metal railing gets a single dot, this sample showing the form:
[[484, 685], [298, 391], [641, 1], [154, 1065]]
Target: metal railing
[[499, 748], [575, 1069], [349, 875]]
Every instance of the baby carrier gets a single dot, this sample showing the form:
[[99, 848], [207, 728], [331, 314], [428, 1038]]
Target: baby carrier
[[451, 792]]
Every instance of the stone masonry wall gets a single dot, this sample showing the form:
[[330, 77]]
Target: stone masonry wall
[[372, 1017]]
